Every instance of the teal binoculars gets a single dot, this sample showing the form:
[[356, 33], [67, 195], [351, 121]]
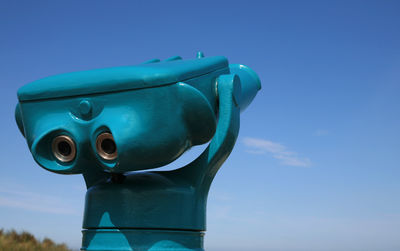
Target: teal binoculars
[[112, 125]]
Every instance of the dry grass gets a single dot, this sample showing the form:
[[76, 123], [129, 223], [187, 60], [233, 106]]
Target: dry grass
[[24, 241]]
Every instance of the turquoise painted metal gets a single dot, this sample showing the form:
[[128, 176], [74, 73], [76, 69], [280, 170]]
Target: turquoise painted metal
[[111, 124]]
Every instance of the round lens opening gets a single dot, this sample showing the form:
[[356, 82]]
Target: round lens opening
[[106, 147], [63, 148]]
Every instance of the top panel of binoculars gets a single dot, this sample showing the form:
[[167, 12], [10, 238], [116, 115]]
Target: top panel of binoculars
[[124, 78]]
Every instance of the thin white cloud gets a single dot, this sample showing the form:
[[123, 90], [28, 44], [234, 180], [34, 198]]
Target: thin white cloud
[[321, 132], [34, 202], [278, 151]]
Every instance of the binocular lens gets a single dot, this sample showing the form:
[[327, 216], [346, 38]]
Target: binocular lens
[[106, 147], [63, 148]]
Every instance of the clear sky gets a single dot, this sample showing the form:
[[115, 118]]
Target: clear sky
[[316, 165]]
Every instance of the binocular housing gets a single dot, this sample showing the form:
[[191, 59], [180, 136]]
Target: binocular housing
[[107, 123], [126, 118]]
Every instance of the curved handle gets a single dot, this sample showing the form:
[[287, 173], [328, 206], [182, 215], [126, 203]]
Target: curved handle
[[202, 170]]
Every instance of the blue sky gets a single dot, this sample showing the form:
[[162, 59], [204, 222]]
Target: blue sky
[[316, 164]]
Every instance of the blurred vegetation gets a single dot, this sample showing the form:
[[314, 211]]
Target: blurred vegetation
[[24, 241]]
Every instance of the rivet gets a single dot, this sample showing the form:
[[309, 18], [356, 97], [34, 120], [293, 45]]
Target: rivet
[[85, 107]]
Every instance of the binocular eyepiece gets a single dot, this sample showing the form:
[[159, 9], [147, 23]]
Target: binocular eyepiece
[[64, 148], [106, 147]]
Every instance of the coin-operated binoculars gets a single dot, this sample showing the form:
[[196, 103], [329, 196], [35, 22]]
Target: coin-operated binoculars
[[108, 124]]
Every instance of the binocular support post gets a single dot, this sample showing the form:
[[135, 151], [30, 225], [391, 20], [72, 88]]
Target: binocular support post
[[173, 203]]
